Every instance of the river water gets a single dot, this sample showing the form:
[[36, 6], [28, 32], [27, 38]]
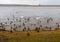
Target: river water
[[43, 12]]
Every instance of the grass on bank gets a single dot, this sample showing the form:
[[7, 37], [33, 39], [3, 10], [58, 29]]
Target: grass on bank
[[42, 36]]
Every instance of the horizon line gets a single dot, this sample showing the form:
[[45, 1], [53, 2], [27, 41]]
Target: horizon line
[[30, 5]]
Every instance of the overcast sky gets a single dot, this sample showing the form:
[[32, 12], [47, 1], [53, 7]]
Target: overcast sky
[[31, 2]]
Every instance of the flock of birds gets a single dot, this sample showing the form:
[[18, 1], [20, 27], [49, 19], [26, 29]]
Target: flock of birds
[[26, 24]]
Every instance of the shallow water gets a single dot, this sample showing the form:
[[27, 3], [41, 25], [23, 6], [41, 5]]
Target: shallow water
[[43, 12]]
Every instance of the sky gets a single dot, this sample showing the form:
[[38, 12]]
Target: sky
[[31, 2]]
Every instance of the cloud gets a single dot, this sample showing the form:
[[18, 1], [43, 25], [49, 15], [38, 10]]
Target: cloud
[[18, 2], [31, 2], [50, 2]]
